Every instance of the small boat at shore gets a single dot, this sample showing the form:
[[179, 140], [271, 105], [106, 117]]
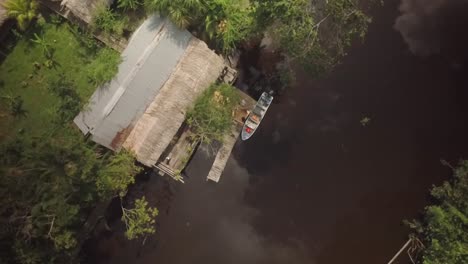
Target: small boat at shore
[[255, 117]]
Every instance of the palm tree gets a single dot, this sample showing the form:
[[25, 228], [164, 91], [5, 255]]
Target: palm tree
[[21, 10], [181, 12]]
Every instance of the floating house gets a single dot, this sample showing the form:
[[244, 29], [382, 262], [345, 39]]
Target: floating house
[[164, 70]]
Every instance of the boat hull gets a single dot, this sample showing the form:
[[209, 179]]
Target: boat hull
[[256, 116]]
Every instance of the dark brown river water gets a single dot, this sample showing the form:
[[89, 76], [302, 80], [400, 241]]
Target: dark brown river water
[[314, 185]]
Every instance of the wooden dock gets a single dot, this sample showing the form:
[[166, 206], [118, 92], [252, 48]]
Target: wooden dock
[[174, 160], [178, 153], [224, 152]]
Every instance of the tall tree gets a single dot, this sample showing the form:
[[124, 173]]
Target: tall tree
[[47, 184], [313, 33], [22, 10], [211, 116], [228, 23], [114, 177], [139, 220], [444, 228], [181, 12]]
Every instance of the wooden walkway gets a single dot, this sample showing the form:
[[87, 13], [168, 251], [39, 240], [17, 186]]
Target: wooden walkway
[[224, 153], [222, 157], [176, 156]]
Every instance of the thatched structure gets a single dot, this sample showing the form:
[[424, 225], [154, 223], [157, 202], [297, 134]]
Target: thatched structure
[[164, 70], [3, 12], [198, 68], [84, 9]]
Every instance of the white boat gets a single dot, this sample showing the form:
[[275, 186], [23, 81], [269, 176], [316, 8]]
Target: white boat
[[255, 117]]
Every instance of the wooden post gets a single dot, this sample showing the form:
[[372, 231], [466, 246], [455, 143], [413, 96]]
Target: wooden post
[[401, 250]]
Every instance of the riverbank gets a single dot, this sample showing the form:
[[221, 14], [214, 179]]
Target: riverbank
[[314, 185]]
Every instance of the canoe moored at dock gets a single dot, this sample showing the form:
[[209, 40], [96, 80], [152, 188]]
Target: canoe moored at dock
[[255, 117]]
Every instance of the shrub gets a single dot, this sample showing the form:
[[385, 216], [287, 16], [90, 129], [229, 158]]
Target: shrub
[[24, 11], [181, 12], [211, 116], [114, 178], [128, 4], [109, 22], [139, 220], [228, 23], [104, 67], [70, 102], [445, 223]]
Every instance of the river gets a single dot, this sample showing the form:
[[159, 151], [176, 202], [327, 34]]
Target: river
[[314, 185]]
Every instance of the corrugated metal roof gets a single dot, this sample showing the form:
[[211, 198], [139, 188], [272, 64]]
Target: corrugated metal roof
[[148, 62], [156, 128]]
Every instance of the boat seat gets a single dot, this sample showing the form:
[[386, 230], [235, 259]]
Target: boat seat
[[258, 111], [255, 118]]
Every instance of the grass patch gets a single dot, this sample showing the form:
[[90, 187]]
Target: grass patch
[[29, 73], [211, 116], [50, 176], [117, 20]]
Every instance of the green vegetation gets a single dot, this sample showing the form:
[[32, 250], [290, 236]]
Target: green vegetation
[[181, 12], [33, 70], [313, 33], [47, 184], [44, 44], [445, 226], [226, 22], [108, 21], [117, 175], [211, 116], [104, 67], [50, 176], [22, 10], [120, 20], [128, 4], [140, 220]]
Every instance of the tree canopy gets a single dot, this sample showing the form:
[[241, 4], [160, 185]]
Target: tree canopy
[[181, 12], [128, 4], [444, 228], [46, 184], [114, 178], [313, 33], [140, 220], [50, 175], [22, 10], [211, 116], [226, 22]]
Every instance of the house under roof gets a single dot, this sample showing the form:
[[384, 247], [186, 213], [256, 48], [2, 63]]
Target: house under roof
[[163, 71]]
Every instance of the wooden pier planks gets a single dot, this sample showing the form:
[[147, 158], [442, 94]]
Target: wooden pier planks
[[247, 103], [224, 153]]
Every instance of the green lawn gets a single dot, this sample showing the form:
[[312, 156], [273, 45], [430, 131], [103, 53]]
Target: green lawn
[[24, 74]]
